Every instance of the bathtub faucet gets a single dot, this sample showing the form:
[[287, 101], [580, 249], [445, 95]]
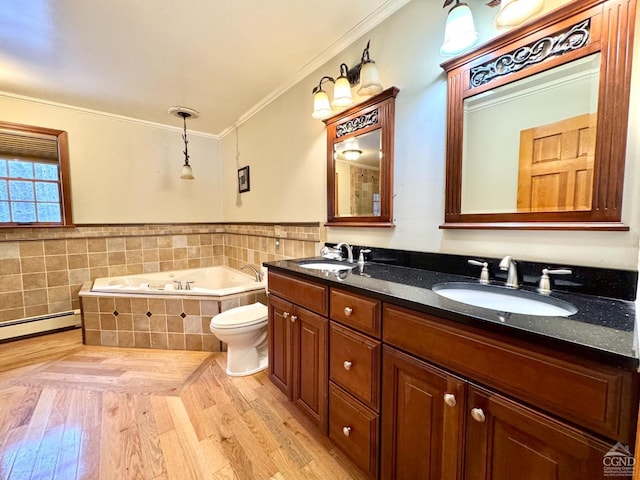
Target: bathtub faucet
[[255, 271], [178, 284]]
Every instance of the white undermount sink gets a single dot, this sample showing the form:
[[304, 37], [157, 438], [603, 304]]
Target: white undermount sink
[[326, 266], [505, 299]]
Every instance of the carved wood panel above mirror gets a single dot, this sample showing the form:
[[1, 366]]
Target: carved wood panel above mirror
[[537, 122], [360, 163]]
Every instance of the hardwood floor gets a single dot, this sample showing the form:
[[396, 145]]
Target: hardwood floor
[[69, 411]]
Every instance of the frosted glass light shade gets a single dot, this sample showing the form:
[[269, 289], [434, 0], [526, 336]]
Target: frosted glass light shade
[[321, 105], [342, 92], [515, 12], [352, 155], [369, 79], [187, 173], [459, 31]]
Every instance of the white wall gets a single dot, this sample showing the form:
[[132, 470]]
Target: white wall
[[127, 171], [286, 150]]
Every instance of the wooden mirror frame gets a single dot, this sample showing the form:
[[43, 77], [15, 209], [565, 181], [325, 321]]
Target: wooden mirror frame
[[610, 31], [378, 112]]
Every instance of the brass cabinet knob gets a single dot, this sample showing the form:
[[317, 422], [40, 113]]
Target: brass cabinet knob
[[347, 365], [478, 415], [346, 431], [450, 399], [294, 318], [348, 311], [285, 315]]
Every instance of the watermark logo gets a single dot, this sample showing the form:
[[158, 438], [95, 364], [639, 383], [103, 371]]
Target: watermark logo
[[618, 462]]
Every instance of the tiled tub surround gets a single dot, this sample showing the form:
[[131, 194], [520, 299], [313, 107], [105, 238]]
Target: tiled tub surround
[[152, 321], [43, 269]]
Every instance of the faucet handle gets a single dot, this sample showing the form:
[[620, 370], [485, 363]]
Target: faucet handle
[[544, 287], [484, 273], [188, 284]]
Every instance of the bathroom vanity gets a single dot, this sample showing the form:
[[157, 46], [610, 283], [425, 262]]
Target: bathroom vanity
[[413, 385]]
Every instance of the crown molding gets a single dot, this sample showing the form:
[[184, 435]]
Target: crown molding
[[97, 113]]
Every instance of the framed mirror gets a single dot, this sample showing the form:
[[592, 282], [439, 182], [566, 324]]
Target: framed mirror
[[360, 163], [537, 123]]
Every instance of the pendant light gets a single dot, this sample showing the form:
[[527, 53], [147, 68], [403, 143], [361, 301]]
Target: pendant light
[[184, 113], [515, 12], [459, 31]]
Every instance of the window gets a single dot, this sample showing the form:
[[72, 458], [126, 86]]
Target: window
[[34, 187]]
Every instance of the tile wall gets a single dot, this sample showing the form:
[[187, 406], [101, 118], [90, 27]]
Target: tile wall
[[152, 322], [43, 269]]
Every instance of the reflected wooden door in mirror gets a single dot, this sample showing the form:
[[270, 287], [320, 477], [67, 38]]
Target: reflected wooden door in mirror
[[537, 122], [360, 163]]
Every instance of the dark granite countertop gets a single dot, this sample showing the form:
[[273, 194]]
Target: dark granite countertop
[[602, 330]]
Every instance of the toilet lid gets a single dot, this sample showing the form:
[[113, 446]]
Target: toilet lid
[[241, 316]]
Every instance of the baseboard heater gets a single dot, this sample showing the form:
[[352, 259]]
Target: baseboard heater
[[30, 326]]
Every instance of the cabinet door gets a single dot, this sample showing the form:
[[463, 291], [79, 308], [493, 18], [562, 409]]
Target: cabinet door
[[280, 344], [506, 440], [310, 348], [422, 419]]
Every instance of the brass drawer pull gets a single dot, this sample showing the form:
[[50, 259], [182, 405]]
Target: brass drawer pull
[[346, 431], [347, 365], [348, 311]]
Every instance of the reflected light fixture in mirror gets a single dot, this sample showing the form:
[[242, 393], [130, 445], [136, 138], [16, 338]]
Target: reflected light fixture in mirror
[[515, 12], [459, 31], [184, 113], [364, 73]]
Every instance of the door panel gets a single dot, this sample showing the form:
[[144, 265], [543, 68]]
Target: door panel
[[556, 166], [508, 440], [421, 433], [280, 344]]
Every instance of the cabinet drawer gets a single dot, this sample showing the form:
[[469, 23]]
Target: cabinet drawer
[[359, 312], [354, 428], [301, 292], [355, 364], [591, 395]]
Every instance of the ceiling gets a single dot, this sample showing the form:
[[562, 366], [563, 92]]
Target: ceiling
[[136, 58]]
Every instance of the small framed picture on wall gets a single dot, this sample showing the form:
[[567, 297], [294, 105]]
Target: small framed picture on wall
[[243, 179]]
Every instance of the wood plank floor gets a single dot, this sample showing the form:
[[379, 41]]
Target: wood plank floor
[[69, 411]]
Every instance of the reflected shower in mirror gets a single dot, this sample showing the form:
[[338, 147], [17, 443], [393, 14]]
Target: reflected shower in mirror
[[357, 164]]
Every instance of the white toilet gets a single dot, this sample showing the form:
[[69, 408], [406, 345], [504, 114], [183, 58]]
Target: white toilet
[[244, 330]]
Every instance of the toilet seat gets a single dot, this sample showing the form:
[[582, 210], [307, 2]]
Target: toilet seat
[[244, 316]]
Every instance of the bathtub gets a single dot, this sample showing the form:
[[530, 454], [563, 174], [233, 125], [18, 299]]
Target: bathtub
[[217, 281]]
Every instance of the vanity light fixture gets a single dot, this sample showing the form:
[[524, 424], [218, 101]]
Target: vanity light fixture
[[459, 31], [515, 12], [365, 73], [184, 113]]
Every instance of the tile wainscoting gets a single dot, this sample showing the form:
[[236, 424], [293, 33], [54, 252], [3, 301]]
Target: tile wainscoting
[[43, 269]]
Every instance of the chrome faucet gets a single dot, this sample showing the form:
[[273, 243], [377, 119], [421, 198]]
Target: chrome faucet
[[349, 250], [255, 271], [509, 264]]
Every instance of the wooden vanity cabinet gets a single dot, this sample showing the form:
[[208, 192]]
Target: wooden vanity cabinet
[[298, 344], [507, 440], [406, 394], [354, 373], [423, 410]]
